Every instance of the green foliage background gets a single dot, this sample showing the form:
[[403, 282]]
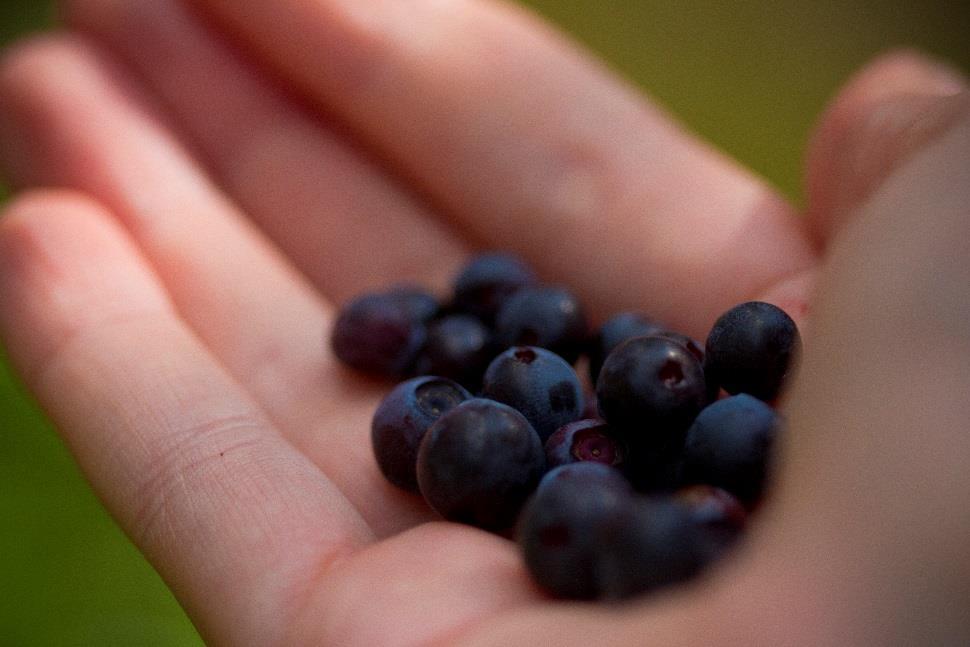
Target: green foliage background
[[751, 76]]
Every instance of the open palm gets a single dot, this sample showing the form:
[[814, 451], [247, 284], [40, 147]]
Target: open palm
[[226, 186]]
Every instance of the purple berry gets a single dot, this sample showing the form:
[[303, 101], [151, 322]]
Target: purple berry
[[479, 462], [376, 333], [459, 347], [545, 316], [719, 514], [584, 440], [539, 384], [655, 544], [751, 348], [484, 284], [713, 506], [401, 420], [650, 389], [420, 304], [730, 446], [560, 529]]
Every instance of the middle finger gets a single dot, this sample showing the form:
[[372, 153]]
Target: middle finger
[[345, 222]]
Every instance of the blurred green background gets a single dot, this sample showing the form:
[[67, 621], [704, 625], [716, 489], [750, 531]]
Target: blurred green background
[[750, 76]]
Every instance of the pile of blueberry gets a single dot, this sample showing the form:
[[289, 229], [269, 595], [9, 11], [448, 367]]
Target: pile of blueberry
[[633, 472]]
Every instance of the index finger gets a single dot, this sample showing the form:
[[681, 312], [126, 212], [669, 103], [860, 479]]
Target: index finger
[[528, 145]]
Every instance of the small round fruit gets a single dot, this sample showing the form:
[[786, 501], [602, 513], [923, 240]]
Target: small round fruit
[[730, 446], [654, 545], [376, 333], [751, 348], [401, 420], [539, 384], [420, 304], [560, 528], [546, 316], [485, 282], [459, 347], [479, 462], [650, 389]]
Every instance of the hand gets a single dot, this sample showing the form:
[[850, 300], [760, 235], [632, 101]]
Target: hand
[[169, 308]]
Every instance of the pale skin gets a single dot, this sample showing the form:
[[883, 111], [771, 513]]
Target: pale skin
[[187, 226]]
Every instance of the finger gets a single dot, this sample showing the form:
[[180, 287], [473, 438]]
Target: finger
[[236, 520], [72, 119], [871, 516], [893, 107], [529, 146], [345, 222]]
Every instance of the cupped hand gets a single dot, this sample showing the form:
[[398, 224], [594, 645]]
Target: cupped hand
[[226, 172]]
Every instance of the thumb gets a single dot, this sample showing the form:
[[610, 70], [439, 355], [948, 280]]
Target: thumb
[[892, 108]]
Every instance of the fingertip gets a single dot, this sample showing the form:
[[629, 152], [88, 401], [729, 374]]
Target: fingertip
[[61, 252], [32, 219], [28, 68], [894, 105]]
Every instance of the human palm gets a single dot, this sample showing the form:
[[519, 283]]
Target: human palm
[[234, 169]]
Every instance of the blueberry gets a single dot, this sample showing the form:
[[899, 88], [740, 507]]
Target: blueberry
[[420, 304], [712, 506], [458, 347], [479, 462], [559, 530], [654, 544], [719, 514], [584, 440], [484, 284], [615, 331], [377, 334], [538, 383], [750, 349], [650, 389], [401, 420], [546, 316], [730, 446]]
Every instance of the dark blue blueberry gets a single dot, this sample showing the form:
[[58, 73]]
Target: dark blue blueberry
[[546, 316], [459, 347], [584, 440], [401, 420], [751, 348], [420, 304], [538, 383], [730, 446], [719, 514], [377, 334], [484, 284], [650, 389], [560, 529], [615, 331], [655, 544], [712, 506], [479, 462]]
